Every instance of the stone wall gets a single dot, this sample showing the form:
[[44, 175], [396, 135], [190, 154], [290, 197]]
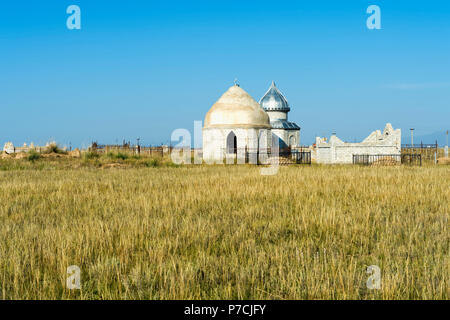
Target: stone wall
[[9, 147], [336, 151]]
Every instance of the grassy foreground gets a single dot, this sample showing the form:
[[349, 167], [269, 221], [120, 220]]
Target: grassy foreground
[[204, 232]]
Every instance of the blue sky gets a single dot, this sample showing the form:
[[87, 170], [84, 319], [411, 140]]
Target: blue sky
[[145, 68]]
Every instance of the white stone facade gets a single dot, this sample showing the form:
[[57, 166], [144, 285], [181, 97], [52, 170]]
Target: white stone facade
[[336, 151], [219, 144], [8, 148]]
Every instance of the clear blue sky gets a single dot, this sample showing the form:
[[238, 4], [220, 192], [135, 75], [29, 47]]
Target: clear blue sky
[[145, 68]]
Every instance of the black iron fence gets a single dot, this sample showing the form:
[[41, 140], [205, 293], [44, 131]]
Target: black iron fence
[[412, 159], [387, 159], [264, 156], [429, 152], [421, 146], [302, 157], [129, 148]]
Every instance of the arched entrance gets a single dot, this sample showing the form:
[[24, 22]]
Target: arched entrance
[[231, 143]]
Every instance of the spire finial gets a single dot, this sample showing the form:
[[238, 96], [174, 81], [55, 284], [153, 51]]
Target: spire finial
[[236, 82], [273, 84]]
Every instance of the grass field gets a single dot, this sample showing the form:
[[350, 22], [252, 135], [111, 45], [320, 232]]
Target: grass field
[[223, 232]]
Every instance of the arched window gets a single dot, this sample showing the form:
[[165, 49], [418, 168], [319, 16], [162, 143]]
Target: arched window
[[231, 143]]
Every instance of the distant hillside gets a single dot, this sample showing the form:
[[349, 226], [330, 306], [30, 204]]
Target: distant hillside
[[440, 136]]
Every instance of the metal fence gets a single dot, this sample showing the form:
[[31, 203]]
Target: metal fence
[[387, 159], [421, 146], [128, 148], [263, 156], [302, 157], [429, 152]]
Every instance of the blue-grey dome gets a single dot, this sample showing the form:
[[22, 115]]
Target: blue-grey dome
[[274, 100]]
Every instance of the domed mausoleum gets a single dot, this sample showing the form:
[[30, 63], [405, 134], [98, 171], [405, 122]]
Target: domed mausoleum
[[235, 126], [277, 107]]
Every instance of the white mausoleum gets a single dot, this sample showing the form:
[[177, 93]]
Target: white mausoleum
[[235, 124]]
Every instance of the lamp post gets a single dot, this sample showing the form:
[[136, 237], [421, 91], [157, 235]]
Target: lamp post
[[412, 137], [138, 146]]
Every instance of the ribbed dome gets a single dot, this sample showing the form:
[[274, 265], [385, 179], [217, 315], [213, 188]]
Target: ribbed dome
[[274, 100], [236, 108]]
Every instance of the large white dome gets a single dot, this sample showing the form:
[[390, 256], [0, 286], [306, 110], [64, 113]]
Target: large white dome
[[236, 109]]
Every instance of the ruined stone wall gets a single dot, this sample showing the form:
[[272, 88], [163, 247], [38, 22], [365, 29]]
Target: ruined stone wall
[[336, 151], [9, 148]]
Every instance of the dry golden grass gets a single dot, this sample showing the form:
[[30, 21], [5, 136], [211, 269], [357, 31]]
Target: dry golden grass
[[443, 160], [210, 232]]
